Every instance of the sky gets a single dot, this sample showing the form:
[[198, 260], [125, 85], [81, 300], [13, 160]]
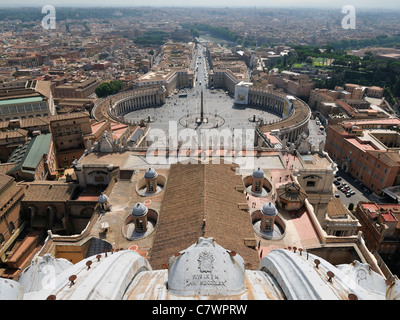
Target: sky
[[384, 4]]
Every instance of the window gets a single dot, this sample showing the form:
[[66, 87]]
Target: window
[[310, 183], [2, 240], [339, 233], [257, 187], [139, 225], [268, 225]]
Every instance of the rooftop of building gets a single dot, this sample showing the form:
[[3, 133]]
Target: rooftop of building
[[45, 191], [30, 154], [202, 271], [336, 208], [20, 101], [316, 161], [204, 211]]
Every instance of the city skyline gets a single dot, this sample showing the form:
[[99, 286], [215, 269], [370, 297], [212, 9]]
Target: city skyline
[[367, 4]]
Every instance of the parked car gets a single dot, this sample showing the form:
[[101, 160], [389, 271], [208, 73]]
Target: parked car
[[337, 195], [337, 183], [348, 194]]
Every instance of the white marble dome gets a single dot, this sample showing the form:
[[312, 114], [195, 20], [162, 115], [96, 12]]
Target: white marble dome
[[41, 271], [205, 269], [268, 209], [139, 210], [258, 173], [11, 290]]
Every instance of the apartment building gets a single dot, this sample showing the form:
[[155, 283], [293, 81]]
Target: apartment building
[[11, 224], [77, 89], [68, 132], [25, 99], [293, 83], [380, 226], [366, 151]]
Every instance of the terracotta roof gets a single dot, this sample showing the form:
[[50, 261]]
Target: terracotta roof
[[5, 180], [13, 134], [339, 129], [66, 116], [37, 121], [291, 192], [202, 191], [336, 208], [301, 112], [5, 167], [225, 222], [49, 191], [346, 107]]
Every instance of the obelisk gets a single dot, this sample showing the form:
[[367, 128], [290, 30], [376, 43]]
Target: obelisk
[[201, 108]]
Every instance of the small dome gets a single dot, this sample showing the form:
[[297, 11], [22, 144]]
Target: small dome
[[139, 210], [269, 209], [258, 173], [150, 173], [103, 198]]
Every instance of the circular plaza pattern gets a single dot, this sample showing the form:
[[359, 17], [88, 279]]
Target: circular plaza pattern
[[219, 109]]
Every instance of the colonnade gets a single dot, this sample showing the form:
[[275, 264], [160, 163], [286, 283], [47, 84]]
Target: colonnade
[[272, 103], [289, 128], [137, 100]]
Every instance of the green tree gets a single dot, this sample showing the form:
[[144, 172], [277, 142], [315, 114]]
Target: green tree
[[108, 88], [396, 87]]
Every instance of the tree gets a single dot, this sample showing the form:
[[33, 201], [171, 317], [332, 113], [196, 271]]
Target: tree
[[351, 206], [108, 88], [396, 87]]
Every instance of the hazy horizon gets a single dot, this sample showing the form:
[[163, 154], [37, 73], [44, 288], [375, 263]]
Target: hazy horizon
[[358, 4]]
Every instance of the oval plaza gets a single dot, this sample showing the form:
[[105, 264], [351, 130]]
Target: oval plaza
[[209, 99]]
